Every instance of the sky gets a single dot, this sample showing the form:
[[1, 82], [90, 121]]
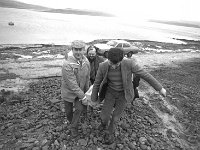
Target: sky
[[174, 10]]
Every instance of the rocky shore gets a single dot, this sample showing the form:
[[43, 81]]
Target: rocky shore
[[31, 117]]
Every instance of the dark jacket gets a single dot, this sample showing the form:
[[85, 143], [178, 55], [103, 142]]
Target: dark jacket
[[94, 67], [128, 68]]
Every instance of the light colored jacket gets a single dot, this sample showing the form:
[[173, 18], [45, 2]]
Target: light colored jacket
[[128, 68], [75, 78]]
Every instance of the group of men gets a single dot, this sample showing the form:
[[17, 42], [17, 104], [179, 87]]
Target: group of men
[[111, 80]]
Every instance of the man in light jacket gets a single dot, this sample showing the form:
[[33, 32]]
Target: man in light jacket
[[114, 83], [75, 82]]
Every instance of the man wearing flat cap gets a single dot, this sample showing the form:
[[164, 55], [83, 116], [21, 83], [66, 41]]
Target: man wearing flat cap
[[75, 82]]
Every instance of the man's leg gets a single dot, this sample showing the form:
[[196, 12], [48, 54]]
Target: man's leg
[[107, 108], [136, 82], [79, 108], [120, 104], [69, 110]]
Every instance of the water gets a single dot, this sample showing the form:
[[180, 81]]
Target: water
[[33, 27]]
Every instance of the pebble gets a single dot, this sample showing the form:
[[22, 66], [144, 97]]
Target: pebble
[[151, 140], [45, 147], [120, 146], [133, 135], [142, 140], [36, 148], [56, 143], [143, 147], [131, 146], [82, 142]]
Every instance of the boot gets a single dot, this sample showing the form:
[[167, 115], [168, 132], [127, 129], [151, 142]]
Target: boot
[[74, 132], [102, 127], [108, 138]]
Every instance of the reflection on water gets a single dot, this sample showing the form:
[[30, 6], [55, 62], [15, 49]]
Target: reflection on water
[[32, 27]]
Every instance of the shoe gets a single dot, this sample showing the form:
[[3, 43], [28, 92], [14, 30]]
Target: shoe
[[74, 132], [108, 138], [101, 127]]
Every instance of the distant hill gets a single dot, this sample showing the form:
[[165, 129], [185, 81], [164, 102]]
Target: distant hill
[[179, 23], [21, 5], [79, 12]]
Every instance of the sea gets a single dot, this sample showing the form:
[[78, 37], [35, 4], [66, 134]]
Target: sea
[[33, 27]]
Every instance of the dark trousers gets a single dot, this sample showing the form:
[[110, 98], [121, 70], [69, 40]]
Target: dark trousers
[[73, 117], [136, 81], [112, 109]]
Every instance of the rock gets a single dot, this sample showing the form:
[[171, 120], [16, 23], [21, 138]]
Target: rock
[[36, 148], [131, 146], [44, 142], [95, 140], [143, 147], [151, 140], [18, 135], [142, 140], [133, 135], [120, 146], [82, 142], [64, 147], [31, 140], [112, 146], [192, 139], [100, 139], [148, 148], [56, 143], [125, 126], [45, 147]]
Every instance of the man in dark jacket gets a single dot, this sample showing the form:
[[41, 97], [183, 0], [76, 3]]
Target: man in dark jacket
[[117, 74], [94, 60]]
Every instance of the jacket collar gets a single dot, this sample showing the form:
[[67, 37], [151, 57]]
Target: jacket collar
[[73, 60]]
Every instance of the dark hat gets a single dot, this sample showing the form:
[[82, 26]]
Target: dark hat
[[115, 55], [78, 44]]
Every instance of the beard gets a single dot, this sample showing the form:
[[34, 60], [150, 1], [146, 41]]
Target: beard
[[91, 58]]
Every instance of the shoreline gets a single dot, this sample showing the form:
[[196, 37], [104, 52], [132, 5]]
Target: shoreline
[[41, 45]]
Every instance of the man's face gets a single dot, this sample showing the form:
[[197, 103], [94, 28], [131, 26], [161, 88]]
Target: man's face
[[114, 66], [78, 52], [91, 54]]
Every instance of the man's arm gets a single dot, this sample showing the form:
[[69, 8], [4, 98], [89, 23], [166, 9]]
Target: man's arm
[[87, 85], [148, 78], [97, 83]]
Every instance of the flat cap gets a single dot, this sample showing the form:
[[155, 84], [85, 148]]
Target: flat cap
[[78, 44]]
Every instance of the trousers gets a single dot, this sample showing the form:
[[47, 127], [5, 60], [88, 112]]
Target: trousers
[[112, 108], [136, 81], [73, 117]]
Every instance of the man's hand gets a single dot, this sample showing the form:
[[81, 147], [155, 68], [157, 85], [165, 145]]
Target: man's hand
[[163, 92], [84, 101], [94, 104]]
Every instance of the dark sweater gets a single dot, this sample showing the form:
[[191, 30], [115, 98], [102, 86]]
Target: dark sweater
[[115, 79]]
